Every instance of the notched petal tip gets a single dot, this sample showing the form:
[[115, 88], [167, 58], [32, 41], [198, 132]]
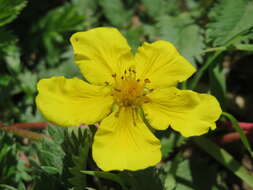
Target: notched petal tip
[[186, 111], [130, 146]]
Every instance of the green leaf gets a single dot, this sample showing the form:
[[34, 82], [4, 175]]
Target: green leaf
[[191, 174], [107, 175], [225, 159], [229, 18], [52, 29], [76, 145], [153, 8], [62, 19], [12, 58], [183, 33], [147, 179], [239, 130], [10, 9], [7, 187], [87, 8], [28, 81], [170, 142], [49, 150], [116, 13], [169, 182], [6, 38], [133, 37], [50, 169], [5, 80]]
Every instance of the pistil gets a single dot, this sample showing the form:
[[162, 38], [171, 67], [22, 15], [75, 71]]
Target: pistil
[[129, 91]]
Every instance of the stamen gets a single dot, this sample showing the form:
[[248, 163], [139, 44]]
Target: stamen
[[134, 116], [116, 89], [147, 81], [114, 75]]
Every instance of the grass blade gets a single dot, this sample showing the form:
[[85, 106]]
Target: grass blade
[[224, 158], [240, 131]]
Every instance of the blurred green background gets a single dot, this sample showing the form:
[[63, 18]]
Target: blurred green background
[[215, 36]]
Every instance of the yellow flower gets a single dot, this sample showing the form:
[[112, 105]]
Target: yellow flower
[[121, 87]]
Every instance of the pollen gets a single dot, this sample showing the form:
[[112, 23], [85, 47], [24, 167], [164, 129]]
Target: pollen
[[129, 91]]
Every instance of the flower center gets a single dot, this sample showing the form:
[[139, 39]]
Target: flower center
[[129, 91]]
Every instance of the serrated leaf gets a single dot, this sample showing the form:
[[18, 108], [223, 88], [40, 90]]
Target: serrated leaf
[[77, 146], [62, 19], [10, 9], [52, 29], [50, 152], [183, 33], [133, 37], [116, 13], [229, 18], [153, 8], [12, 58], [87, 8], [28, 81]]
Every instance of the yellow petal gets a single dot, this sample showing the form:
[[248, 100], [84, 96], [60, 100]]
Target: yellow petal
[[100, 52], [71, 102], [185, 111], [124, 142], [161, 63]]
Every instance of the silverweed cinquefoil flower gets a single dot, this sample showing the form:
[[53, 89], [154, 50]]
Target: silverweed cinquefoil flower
[[122, 87]]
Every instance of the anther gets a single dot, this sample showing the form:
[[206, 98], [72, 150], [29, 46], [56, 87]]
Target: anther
[[125, 71], [114, 75], [147, 81], [106, 83], [151, 90], [138, 80], [122, 77], [116, 89]]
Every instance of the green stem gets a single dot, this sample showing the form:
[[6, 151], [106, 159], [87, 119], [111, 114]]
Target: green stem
[[211, 60], [203, 69]]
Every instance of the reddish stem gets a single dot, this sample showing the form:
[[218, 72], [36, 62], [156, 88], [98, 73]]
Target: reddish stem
[[232, 137], [246, 126], [20, 129], [32, 125]]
